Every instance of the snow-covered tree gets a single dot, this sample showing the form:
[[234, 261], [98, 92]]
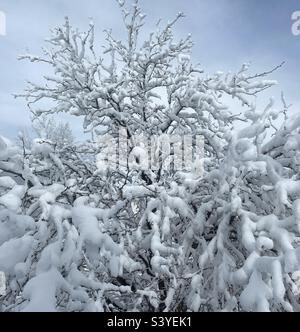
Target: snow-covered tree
[[75, 236], [58, 133]]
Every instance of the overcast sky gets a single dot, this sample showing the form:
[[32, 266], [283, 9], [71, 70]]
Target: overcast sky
[[226, 33]]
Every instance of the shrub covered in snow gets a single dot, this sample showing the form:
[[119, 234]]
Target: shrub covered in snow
[[73, 238]]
